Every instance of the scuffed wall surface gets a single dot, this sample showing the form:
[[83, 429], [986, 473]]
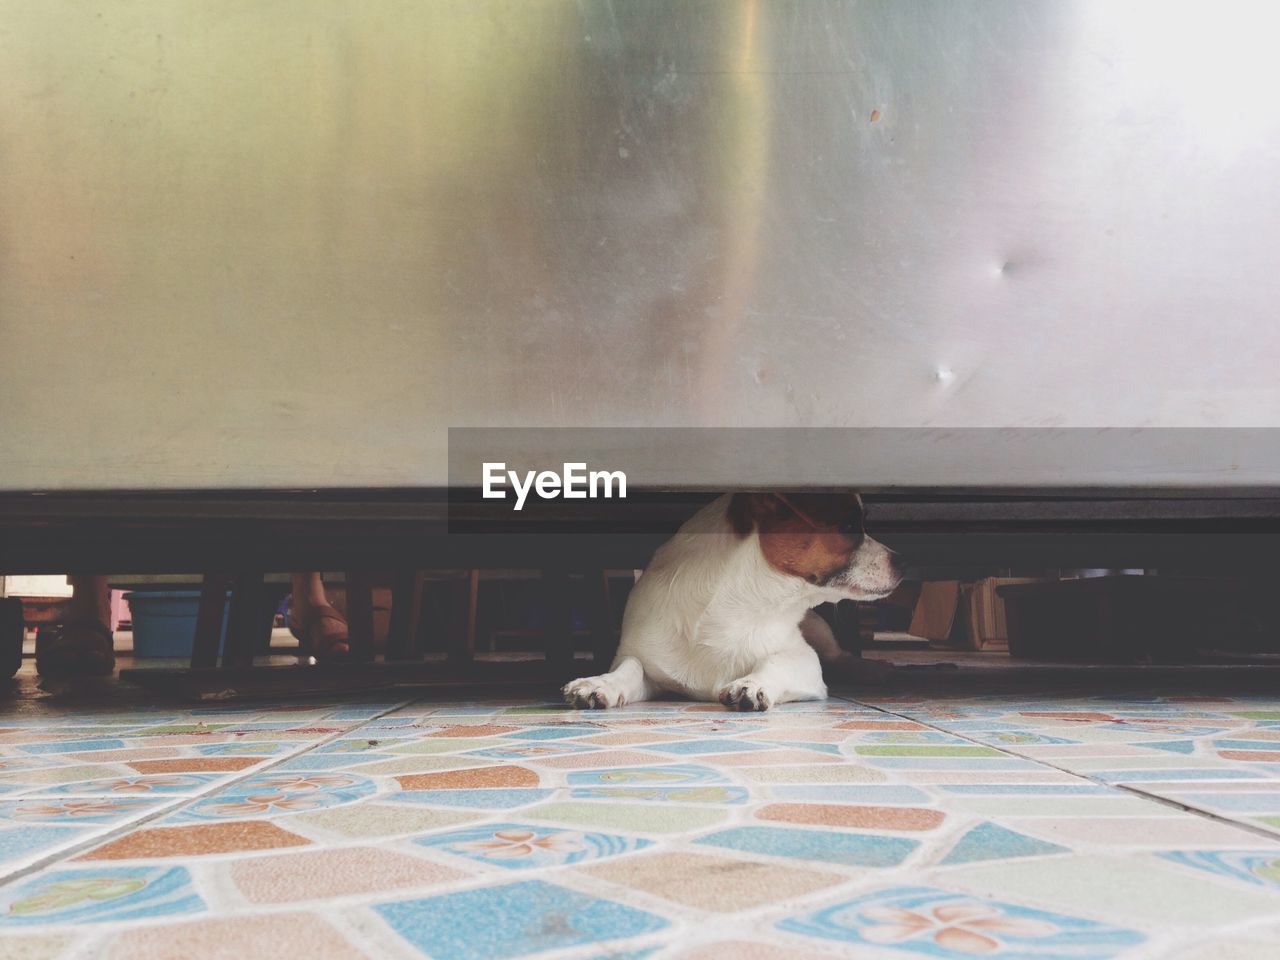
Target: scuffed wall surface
[[290, 244]]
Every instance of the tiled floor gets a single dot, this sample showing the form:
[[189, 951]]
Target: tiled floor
[[1017, 827]]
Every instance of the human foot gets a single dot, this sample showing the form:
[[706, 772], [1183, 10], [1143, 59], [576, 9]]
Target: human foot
[[76, 648], [321, 632]]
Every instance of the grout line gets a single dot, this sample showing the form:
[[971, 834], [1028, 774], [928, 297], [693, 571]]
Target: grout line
[[1136, 791], [1200, 811], [63, 853], [71, 850]]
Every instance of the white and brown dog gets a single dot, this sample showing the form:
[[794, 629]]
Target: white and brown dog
[[724, 610]]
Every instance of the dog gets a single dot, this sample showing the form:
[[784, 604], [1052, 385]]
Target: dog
[[724, 609]]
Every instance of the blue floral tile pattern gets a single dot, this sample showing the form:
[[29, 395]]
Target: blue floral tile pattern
[[276, 793], [525, 846], [66, 810], [99, 895], [1251, 866], [937, 923], [512, 921], [135, 786]]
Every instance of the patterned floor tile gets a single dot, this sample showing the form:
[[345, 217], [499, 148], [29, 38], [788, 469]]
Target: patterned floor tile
[[74, 746], [512, 920], [321, 874], [601, 758], [841, 793], [707, 747], [1136, 890], [472, 730], [854, 815], [96, 895], [939, 923], [174, 784], [1267, 801], [19, 845], [197, 839], [449, 745], [470, 779], [75, 810], [275, 793], [1233, 948], [332, 761], [681, 774], [835, 773], [990, 841], [532, 750], [369, 820], [195, 764], [827, 846], [747, 950], [46, 776], [1251, 866], [629, 738], [1082, 807], [1150, 832], [924, 750], [423, 764], [686, 878], [33, 946], [626, 828], [642, 818], [555, 731], [235, 938], [525, 846], [816, 753], [706, 793], [31, 829]]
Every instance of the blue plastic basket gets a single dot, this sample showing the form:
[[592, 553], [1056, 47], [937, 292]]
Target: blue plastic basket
[[164, 622]]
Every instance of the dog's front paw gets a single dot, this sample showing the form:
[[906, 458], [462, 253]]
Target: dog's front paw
[[746, 694], [592, 693]]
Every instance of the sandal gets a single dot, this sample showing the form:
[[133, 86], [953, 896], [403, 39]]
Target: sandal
[[79, 648], [326, 643]]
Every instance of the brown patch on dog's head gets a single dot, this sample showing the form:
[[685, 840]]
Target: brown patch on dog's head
[[807, 535]]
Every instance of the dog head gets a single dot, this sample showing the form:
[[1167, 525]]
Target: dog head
[[818, 537]]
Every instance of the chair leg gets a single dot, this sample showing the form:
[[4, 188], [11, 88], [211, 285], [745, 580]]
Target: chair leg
[[244, 627], [415, 616], [557, 614], [209, 617], [360, 615], [462, 618], [406, 606], [12, 633]]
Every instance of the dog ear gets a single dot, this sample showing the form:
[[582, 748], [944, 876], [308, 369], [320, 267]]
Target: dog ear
[[746, 510]]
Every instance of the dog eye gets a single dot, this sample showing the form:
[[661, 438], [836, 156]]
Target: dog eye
[[851, 528]]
